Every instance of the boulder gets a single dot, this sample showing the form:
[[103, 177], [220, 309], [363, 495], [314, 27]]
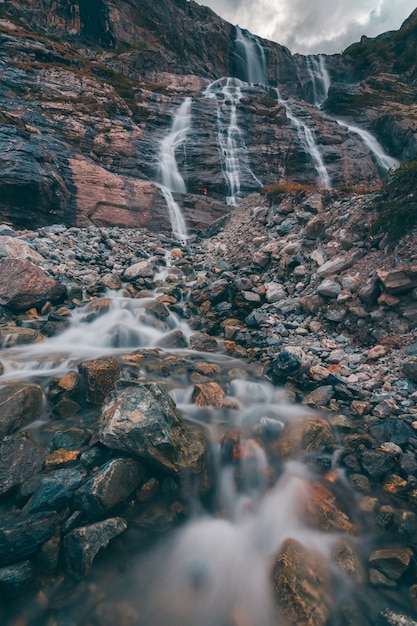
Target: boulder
[[21, 457], [302, 585], [109, 486], [392, 562], [208, 394], [142, 419], [20, 404], [23, 285], [21, 536], [324, 512], [100, 376], [82, 545]]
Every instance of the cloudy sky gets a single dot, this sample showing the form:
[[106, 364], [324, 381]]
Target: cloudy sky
[[313, 26]]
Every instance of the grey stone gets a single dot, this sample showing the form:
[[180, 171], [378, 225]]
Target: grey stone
[[82, 545]]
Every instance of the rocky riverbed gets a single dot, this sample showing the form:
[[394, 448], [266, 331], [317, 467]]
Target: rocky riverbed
[[249, 396]]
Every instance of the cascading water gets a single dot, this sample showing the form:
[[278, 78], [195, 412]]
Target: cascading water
[[216, 567], [384, 161], [233, 153], [168, 173], [308, 143], [252, 54], [320, 78]]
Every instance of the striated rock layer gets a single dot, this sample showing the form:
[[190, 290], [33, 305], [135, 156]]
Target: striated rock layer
[[90, 90]]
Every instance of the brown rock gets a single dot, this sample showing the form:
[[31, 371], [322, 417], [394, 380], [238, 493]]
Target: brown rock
[[304, 435], [100, 377], [392, 562], [20, 404], [302, 585], [208, 394], [399, 280], [60, 458], [324, 512], [24, 285]]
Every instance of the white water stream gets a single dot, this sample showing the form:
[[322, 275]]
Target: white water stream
[[308, 143], [233, 152], [320, 78], [170, 178], [215, 569], [253, 56], [384, 161]]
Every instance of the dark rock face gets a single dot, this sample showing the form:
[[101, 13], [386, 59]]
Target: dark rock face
[[143, 420], [86, 123]]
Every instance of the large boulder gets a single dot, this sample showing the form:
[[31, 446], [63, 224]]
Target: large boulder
[[302, 585], [142, 419], [20, 404], [23, 285]]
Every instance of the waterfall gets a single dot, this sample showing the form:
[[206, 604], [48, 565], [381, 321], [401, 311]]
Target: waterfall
[[384, 161], [253, 57], [309, 144], [169, 175], [320, 78], [233, 152]]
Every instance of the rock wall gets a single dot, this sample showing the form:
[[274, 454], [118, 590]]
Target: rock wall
[[105, 89]]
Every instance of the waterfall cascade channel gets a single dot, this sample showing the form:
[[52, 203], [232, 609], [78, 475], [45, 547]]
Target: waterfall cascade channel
[[228, 93]]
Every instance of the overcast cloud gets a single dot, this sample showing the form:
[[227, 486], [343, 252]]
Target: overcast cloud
[[314, 26]]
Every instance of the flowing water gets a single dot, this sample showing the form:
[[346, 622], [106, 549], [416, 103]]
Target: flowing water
[[309, 144], [215, 567], [170, 178], [233, 152], [320, 78], [253, 58], [384, 161]]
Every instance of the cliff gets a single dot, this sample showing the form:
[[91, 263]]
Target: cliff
[[90, 94]]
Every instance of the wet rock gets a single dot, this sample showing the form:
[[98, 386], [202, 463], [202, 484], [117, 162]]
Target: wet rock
[[203, 343], [174, 339], [319, 397], [143, 420], [302, 585], [376, 463], [392, 429], [392, 562], [18, 335], [21, 536], [109, 486], [56, 490], [20, 404], [60, 458], [111, 281], [289, 362], [82, 545], [71, 438], [14, 579], [303, 435], [100, 376], [142, 269], [20, 458], [208, 394], [349, 561], [324, 512], [24, 285]]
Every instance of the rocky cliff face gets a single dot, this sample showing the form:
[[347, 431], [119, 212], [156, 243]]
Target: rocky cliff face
[[91, 91]]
